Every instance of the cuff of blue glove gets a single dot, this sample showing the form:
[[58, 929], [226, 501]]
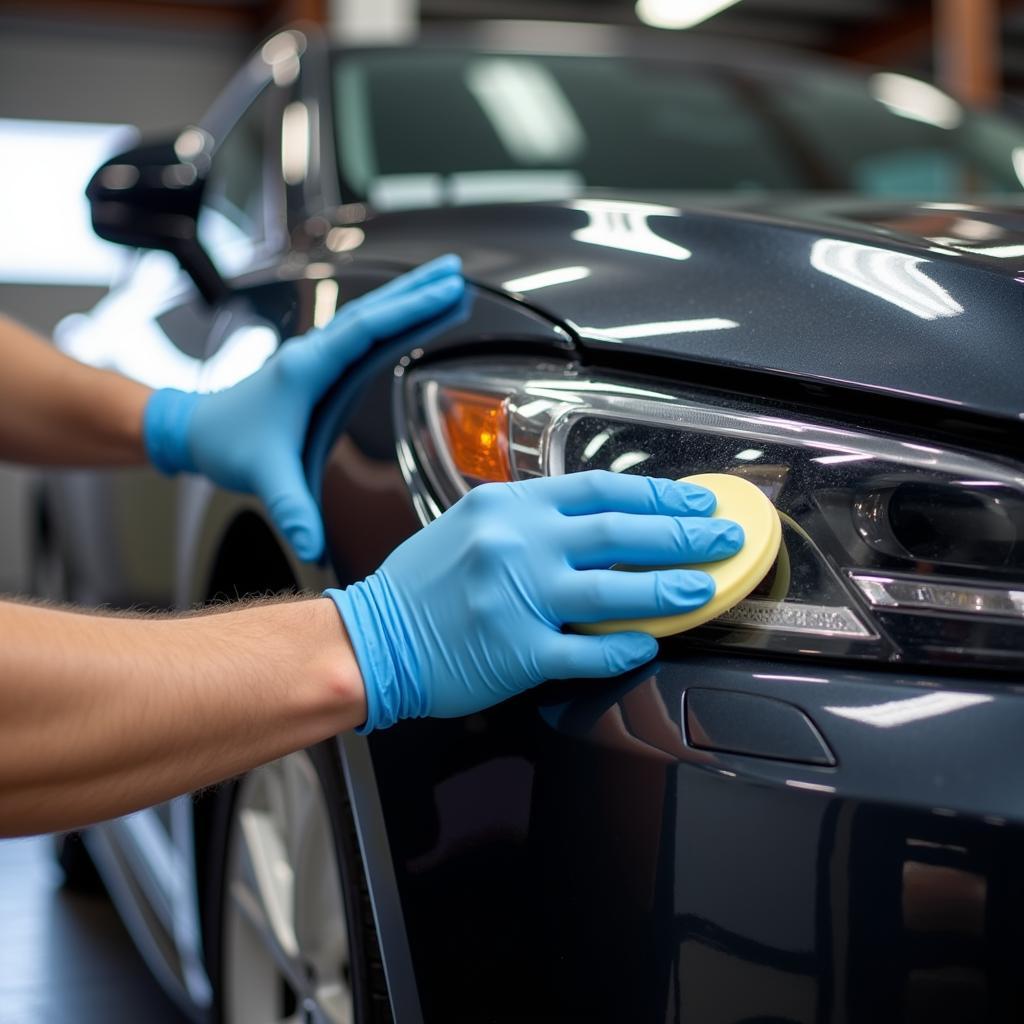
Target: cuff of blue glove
[[368, 636], [165, 430]]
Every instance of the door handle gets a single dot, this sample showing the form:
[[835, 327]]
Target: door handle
[[746, 723]]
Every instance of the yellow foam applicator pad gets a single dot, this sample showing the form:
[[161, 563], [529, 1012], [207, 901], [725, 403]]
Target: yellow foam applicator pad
[[735, 577]]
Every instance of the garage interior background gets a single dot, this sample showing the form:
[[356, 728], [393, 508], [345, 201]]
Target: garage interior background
[[79, 76]]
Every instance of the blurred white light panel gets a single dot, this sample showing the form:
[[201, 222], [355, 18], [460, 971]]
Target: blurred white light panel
[[45, 233], [679, 13]]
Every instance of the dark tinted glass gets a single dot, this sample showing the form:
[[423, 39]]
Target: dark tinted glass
[[962, 525], [428, 126]]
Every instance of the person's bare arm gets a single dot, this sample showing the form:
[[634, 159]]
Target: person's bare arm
[[101, 715], [56, 411]]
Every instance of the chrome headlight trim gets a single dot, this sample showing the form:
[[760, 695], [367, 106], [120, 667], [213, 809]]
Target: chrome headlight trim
[[839, 489]]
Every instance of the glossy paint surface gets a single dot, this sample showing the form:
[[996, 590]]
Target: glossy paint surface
[[845, 293], [582, 859]]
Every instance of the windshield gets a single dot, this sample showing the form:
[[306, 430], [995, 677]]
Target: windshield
[[422, 128]]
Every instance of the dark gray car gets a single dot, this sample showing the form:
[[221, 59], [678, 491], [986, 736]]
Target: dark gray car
[[808, 810]]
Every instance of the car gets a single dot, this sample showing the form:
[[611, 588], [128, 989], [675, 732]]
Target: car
[[808, 275]]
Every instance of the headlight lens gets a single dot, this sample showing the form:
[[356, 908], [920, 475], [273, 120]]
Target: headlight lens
[[892, 549]]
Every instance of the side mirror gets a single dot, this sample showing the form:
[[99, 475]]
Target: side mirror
[[149, 198]]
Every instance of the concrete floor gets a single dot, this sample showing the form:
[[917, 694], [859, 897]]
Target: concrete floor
[[65, 957]]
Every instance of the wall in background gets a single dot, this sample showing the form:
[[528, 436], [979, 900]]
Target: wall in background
[[158, 79]]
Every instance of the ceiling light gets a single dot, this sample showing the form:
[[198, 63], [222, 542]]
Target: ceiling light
[[1017, 157], [679, 13], [916, 100]]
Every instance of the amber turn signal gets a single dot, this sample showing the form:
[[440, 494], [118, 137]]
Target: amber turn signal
[[476, 427]]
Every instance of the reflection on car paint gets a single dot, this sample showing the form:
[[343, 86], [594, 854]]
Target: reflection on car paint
[[625, 225], [894, 277]]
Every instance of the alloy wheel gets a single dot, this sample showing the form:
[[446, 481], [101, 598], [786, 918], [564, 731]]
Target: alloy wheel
[[286, 950]]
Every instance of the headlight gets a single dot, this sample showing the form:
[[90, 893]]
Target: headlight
[[892, 549]]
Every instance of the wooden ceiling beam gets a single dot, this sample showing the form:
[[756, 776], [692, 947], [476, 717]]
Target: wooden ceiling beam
[[905, 35], [276, 14], [891, 40], [968, 60]]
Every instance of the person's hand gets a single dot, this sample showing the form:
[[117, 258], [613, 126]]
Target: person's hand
[[249, 437], [470, 610]]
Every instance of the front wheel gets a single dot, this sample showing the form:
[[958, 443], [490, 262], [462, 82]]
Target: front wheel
[[297, 940], [80, 874]]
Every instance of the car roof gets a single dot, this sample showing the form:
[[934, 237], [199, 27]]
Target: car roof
[[572, 39]]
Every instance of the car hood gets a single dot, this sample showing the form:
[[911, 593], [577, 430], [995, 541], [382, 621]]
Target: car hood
[[923, 300]]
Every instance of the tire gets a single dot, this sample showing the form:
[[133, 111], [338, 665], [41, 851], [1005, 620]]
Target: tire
[[80, 874], [48, 573], [291, 934]]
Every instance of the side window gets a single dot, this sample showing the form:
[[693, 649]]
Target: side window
[[235, 221]]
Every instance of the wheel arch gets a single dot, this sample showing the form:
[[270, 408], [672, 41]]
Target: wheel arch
[[229, 551]]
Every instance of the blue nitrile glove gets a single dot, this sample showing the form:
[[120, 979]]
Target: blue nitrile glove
[[249, 437], [469, 611]]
